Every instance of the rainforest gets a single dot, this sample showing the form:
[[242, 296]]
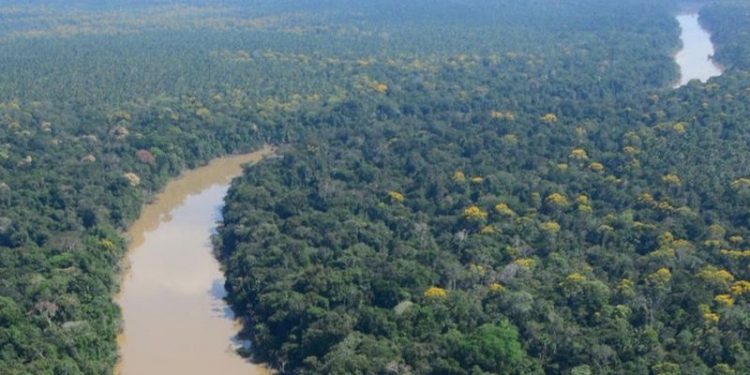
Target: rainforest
[[448, 187]]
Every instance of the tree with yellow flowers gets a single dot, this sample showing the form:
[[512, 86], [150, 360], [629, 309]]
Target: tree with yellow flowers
[[710, 318], [550, 227], [436, 292], [379, 87], [740, 288], [496, 288], [474, 213], [716, 277], [557, 200], [629, 150], [671, 179], [724, 300], [579, 154], [659, 278], [549, 118], [487, 229], [509, 139], [741, 184], [503, 209], [572, 282], [679, 128], [626, 288], [459, 176], [396, 197]]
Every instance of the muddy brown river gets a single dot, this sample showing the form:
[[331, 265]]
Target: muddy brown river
[[175, 320]]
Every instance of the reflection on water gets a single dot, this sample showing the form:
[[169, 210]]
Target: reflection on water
[[175, 319], [694, 57]]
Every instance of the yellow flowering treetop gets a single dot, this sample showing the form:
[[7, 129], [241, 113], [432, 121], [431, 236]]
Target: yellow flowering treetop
[[203, 113], [557, 199], [626, 288], [579, 153], [132, 178], [679, 127], [487, 229], [665, 206], [735, 253], [741, 184], [572, 283], [583, 204], [596, 167], [459, 176], [379, 87], [683, 244], [549, 118], [723, 368], [630, 150], [666, 238], [724, 300], [575, 277], [551, 227], [107, 244], [646, 198], [604, 228], [503, 115], [661, 277], [736, 239], [510, 139], [477, 180], [709, 318], [740, 288], [396, 197], [671, 179], [497, 288], [503, 209], [524, 262], [474, 213], [715, 276], [638, 225], [435, 292], [477, 268]]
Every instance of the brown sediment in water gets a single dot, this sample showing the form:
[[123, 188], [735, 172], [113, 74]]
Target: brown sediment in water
[[174, 318]]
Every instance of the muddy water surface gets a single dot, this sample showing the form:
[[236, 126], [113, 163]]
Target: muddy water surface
[[175, 321]]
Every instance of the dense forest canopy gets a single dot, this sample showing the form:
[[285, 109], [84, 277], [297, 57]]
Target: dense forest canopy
[[464, 186]]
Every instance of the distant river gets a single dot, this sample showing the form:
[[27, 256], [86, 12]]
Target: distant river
[[175, 320], [693, 58]]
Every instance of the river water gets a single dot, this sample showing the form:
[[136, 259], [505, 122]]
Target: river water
[[693, 58], [175, 320]]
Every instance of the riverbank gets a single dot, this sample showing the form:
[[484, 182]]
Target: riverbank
[[174, 316]]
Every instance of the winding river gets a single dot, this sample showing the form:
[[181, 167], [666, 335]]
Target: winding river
[[175, 320], [694, 58]]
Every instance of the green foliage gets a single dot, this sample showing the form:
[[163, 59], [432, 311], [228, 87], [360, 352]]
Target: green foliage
[[493, 348], [393, 118]]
